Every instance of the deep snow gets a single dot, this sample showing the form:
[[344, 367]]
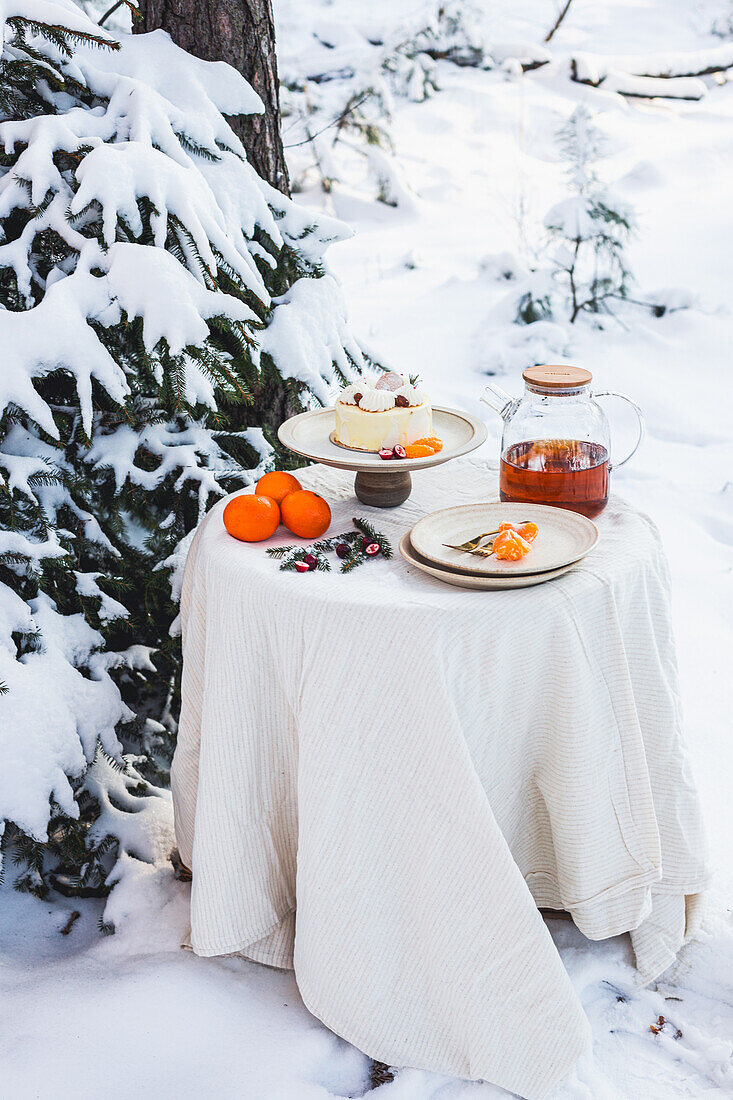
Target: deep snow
[[134, 1014]]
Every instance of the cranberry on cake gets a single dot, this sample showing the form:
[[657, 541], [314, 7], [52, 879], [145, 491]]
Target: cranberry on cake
[[373, 415]]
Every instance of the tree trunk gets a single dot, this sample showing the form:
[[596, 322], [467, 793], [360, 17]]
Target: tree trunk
[[242, 33]]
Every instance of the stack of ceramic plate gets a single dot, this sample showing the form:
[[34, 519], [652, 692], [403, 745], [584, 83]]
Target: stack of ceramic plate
[[564, 538]]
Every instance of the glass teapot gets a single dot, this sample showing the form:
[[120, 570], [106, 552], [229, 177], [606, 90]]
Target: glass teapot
[[555, 445]]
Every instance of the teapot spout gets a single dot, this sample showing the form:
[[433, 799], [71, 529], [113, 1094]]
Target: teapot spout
[[497, 399]]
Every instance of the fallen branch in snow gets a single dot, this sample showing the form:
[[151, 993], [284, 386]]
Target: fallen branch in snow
[[462, 59], [465, 57], [648, 87], [558, 21], [70, 923], [333, 74], [593, 68], [529, 66], [529, 55], [668, 76]]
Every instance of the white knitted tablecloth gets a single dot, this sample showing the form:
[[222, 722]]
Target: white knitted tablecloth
[[413, 768]]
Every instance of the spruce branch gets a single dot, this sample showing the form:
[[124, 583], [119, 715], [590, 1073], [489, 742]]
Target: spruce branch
[[280, 551], [63, 38], [356, 558], [367, 529]]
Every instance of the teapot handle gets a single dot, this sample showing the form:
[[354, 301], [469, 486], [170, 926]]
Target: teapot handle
[[639, 417]]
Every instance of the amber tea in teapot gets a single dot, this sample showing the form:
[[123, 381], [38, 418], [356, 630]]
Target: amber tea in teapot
[[556, 440], [568, 473]]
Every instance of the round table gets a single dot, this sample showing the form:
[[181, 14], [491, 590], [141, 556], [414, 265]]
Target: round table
[[379, 778]]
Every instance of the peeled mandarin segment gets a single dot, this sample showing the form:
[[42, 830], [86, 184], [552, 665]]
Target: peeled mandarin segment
[[430, 441], [510, 546], [418, 450], [500, 541], [528, 531], [506, 527], [508, 551]]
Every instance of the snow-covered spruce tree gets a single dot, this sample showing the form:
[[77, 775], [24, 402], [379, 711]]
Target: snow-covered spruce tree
[[152, 289], [590, 228]]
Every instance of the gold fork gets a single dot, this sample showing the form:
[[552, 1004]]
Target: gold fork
[[484, 551], [472, 546]]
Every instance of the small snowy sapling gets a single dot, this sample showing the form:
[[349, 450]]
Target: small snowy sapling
[[591, 228]]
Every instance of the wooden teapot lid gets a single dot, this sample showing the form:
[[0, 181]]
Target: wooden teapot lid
[[559, 377]]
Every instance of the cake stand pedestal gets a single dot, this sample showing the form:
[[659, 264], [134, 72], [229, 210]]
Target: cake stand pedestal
[[380, 483], [383, 490]]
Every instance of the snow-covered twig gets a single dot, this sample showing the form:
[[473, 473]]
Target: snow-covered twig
[[135, 11]]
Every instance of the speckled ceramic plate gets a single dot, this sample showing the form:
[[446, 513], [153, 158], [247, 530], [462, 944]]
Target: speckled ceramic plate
[[564, 538], [309, 434], [460, 579]]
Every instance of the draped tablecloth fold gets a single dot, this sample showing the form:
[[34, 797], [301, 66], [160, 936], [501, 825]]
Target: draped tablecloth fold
[[412, 769]]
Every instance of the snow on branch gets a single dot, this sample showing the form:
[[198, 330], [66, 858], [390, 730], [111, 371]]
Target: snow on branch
[[592, 68], [528, 55], [152, 289], [202, 89], [52, 718], [56, 15], [149, 283], [55, 335], [665, 75], [655, 87], [309, 333]]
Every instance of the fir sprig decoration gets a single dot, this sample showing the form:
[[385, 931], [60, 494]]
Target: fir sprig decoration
[[357, 541], [366, 529], [291, 554]]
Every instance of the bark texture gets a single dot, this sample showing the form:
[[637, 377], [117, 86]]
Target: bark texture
[[242, 33]]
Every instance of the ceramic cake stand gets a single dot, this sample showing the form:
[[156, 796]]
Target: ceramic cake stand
[[379, 483]]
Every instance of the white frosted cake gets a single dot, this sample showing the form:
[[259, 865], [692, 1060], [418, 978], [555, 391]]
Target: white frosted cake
[[373, 415]]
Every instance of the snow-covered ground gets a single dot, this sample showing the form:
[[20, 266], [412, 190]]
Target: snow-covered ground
[[133, 1014]]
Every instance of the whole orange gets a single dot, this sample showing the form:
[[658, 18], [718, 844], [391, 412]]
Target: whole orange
[[306, 514], [277, 484], [251, 518]]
